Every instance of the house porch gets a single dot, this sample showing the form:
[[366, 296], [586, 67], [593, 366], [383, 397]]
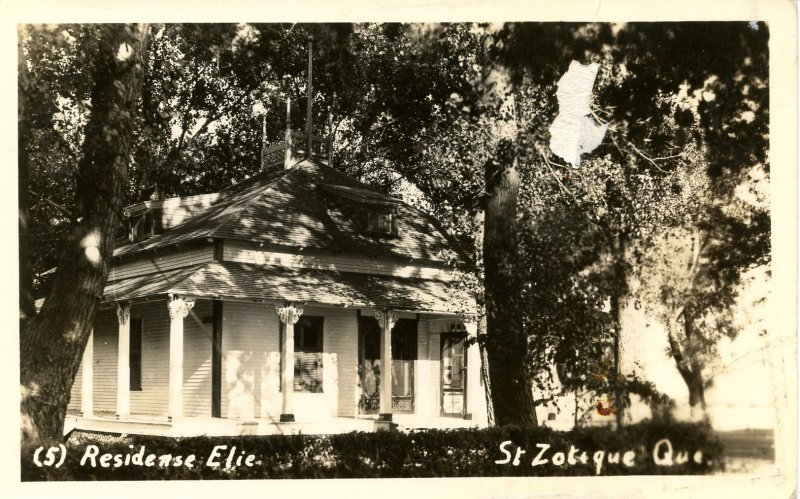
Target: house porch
[[242, 386]]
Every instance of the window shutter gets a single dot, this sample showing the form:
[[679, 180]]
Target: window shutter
[[135, 355]]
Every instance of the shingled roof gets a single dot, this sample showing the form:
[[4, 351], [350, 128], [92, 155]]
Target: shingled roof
[[309, 207], [242, 281]]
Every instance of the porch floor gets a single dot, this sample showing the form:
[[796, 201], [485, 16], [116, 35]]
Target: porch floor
[[199, 426]]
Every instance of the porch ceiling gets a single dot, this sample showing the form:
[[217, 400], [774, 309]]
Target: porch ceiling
[[273, 283]]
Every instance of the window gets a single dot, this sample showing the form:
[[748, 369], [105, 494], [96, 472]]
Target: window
[[373, 212], [148, 224], [157, 223], [308, 354], [135, 355], [136, 229], [145, 225], [404, 340], [380, 222]]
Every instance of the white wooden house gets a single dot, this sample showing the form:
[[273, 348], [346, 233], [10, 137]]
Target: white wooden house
[[276, 305]]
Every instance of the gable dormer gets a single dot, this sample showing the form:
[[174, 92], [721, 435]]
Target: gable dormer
[[142, 221], [375, 213], [150, 218]]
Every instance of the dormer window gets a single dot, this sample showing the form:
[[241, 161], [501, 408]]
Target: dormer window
[[144, 225], [136, 228], [374, 212], [380, 222]]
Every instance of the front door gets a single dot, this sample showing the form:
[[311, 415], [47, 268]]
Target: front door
[[454, 374]]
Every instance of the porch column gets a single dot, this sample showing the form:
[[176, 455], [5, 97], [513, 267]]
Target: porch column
[[473, 392], [87, 377], [178, 310], [386, 320], [288, 315], [123, 360]]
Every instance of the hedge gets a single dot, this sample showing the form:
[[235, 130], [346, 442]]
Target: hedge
[[430, 453]]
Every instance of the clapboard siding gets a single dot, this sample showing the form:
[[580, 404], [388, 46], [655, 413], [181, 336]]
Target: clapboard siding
[[75, 392], [148, 264], [197, 360], [104, 393], [234, 252], [250, 361], [153, 398], [340, 361]]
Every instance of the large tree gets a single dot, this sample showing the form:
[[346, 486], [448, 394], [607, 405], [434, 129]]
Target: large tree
[[52, 341], [694, 277]]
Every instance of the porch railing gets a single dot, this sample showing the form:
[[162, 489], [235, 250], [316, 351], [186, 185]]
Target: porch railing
[[400, 403], [275, 155]]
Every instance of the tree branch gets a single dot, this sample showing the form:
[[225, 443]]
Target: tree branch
[[214, 117], [564, 188], [677, 354], [187, 101], [52, 203], [652, 161]]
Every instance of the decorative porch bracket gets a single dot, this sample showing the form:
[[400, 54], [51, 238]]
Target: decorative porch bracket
[[179, 308], [123, 360], [288, 315], [386, 320]]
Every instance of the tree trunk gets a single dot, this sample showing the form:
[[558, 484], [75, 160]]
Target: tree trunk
[[478, 220], [689, 369], [487, 387], [619, 402], [697, 397], [52, 344], [618, 292], [490, 419], [26, 298], [507, 344], [694, 380]]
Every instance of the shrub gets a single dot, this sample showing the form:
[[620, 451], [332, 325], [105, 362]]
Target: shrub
[[432, 453]]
